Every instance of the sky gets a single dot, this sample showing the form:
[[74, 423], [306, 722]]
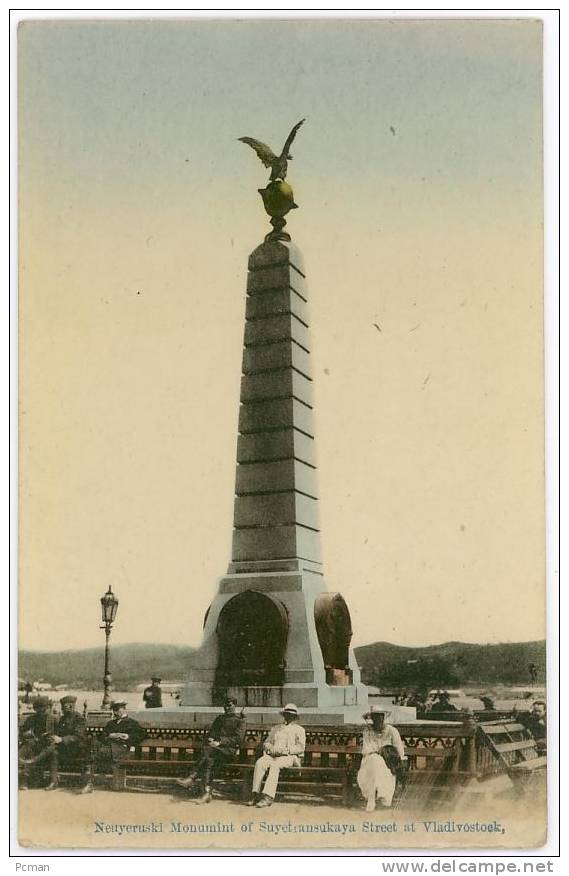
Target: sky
[[419, 178]]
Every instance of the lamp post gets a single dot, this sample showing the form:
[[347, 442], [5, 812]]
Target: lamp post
[[109, 606]]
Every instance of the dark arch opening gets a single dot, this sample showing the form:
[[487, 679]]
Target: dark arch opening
[[252, 632]]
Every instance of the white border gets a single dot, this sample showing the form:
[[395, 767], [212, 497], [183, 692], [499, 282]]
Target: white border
[[551, 326]]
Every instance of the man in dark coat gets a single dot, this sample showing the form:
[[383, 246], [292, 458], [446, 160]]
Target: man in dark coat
[[55, 742], [120, 733], [223, 743], [443, 703], [117, 737], [536, 722], [36, 741], [418, 701], [71, 745], [152, 695]]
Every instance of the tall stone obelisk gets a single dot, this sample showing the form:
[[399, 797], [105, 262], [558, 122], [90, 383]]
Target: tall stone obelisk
[[273, 633]]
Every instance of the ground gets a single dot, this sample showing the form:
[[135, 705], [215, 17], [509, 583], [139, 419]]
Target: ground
[[130, 820]]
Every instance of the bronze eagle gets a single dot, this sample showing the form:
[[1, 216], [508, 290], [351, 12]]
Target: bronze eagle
[[277, 163]]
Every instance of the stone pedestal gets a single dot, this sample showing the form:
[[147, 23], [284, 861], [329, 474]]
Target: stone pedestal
[[273, 634]]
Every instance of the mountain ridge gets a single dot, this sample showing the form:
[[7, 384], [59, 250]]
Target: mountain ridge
[[382, 663]]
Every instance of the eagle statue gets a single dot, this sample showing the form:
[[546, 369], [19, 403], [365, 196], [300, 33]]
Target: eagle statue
[[277, 163]]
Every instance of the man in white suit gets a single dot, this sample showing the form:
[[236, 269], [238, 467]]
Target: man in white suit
[[284, 747]]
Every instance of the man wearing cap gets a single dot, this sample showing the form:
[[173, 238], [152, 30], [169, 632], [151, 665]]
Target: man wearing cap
[[223, 743], [383, 755], [122, 732], [36, 740], [70, 745], [118, 735], [152, 695], [284, 747]]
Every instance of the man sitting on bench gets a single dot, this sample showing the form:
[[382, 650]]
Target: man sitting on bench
[[536, 722], [223, 743], [117, 737], [71, 746], [36, 743], [284, 747]]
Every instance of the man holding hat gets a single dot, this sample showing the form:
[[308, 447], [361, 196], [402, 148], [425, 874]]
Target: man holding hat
[[383, 754], [223, 742], [152, 695], [284, 747]]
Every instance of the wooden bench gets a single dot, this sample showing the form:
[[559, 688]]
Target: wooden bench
[[438, 763], [324, 772], [516, 750]]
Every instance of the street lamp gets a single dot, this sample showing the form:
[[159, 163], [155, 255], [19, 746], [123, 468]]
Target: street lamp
[[109, 606]]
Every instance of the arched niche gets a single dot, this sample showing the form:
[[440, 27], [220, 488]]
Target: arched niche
[[334, 630], [252, 632]]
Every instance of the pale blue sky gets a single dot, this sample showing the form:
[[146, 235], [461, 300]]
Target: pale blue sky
[[123, 100]]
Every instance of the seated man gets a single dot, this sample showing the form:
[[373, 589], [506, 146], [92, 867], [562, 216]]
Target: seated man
[[223, 743], [536, 722], [117, 736], [383, 756], [71, 745], [36, 746], [284, 747]]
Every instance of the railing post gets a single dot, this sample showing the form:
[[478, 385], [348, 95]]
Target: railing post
[[118, 781], [469, 726]]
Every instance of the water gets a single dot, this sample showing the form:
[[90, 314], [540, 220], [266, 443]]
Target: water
[[94, 698], [504, 698]]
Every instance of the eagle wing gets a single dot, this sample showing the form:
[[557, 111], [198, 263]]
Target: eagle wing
[[291, 137], [264, 152]]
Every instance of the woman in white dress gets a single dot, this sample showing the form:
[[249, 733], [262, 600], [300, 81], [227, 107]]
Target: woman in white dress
[[375, 779]]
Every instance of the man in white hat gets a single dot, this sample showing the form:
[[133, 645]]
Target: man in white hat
[[383, 754], [284, 747]]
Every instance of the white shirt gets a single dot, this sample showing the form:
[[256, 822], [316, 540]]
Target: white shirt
[[286, 739], [374, 741]]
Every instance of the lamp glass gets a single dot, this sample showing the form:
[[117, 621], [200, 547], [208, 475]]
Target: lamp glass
[[109, 606]]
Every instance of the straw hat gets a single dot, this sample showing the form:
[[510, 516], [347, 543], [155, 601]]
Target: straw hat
[[290, 709], [377, 710]]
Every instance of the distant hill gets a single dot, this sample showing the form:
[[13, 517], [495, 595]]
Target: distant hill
[[130, 665], [381, 662]]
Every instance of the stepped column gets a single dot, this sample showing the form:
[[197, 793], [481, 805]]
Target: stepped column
[[276, 520]]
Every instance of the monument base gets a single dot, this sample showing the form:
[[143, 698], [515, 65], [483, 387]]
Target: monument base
[[259, 605], [185, 717], [307, 695]]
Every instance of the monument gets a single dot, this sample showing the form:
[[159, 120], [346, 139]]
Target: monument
[[273, 633]]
